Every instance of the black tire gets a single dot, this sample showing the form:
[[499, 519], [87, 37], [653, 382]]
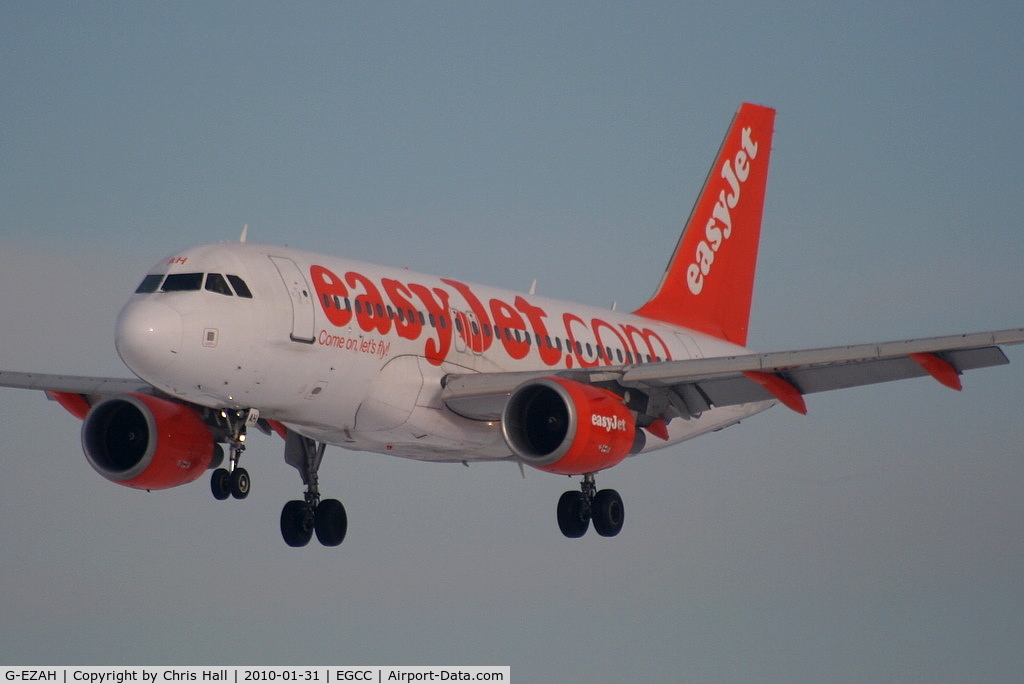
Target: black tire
[[573, 516], [608, 512], [240, 483], [295, 527], [220, 484], [331, 522]]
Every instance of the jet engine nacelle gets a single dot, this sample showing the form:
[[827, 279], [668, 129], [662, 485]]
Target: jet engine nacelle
[[144, 442], [566, 427]]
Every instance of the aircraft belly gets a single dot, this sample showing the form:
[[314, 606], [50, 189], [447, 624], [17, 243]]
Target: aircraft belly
[[399, 414], [427, 435]]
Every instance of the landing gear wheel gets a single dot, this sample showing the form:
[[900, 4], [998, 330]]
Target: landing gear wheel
[[607, 512], [573, 514], [300, 519], [232, 481], [220, 484], [296, 524], [331, 522], [240, 483]]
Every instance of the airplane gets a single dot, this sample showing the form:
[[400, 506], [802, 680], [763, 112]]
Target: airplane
[[229, 337]]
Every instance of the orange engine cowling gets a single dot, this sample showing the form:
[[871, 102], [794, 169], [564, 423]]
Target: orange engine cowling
[[566, 427], [144, 442]]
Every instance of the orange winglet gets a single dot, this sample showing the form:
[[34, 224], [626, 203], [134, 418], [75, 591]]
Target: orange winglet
[[785, 392], [941, 370]]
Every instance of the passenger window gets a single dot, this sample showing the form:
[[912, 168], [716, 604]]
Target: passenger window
[[150, 283], [183, 282], [241, 289], [215, 283]]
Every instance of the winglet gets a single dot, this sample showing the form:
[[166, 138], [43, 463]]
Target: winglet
[[709, 283], [940, 369]]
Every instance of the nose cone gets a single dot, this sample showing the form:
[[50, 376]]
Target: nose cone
[[148, 338]]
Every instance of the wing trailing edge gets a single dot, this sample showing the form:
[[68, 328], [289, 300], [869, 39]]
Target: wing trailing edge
[[785, 376]]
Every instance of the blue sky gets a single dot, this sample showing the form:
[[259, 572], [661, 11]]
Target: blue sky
[[877, 538]]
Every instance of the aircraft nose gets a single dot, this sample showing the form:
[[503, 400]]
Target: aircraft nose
[[148, 337]]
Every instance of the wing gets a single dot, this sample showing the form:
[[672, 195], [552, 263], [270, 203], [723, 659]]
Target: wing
[[76, 393], [690, 387], [73, 384]]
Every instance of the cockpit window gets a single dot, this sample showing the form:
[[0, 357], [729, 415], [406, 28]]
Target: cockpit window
[[183, 282], [215, 283], [193, 282], [150, 283], [241, 289]]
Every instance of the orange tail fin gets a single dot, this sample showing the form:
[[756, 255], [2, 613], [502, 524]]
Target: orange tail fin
[[709, 283]]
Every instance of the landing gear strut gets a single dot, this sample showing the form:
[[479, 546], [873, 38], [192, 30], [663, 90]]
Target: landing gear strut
[[234, 481], [577, 509], [300, 519]]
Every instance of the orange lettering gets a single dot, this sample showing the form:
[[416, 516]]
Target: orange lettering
[[576, 347], [407, 324], [435, 350], [478, 343], [370, 312], [511, 325], [548, 354], [598, 325], [331, 292]]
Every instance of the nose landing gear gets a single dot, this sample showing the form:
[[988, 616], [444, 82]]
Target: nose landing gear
[[577, 509], [233, 481]]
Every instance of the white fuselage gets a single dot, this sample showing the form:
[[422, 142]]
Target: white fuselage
[[354, 354]]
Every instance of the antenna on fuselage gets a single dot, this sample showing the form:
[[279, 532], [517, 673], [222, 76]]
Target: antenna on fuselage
[[533, 287], [245, 233]]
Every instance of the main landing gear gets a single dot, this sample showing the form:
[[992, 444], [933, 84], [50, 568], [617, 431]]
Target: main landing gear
[[300, 519], [577, 509], [233, 481]]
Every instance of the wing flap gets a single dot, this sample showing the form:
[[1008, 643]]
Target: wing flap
[[670, 373], [704, 383]]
